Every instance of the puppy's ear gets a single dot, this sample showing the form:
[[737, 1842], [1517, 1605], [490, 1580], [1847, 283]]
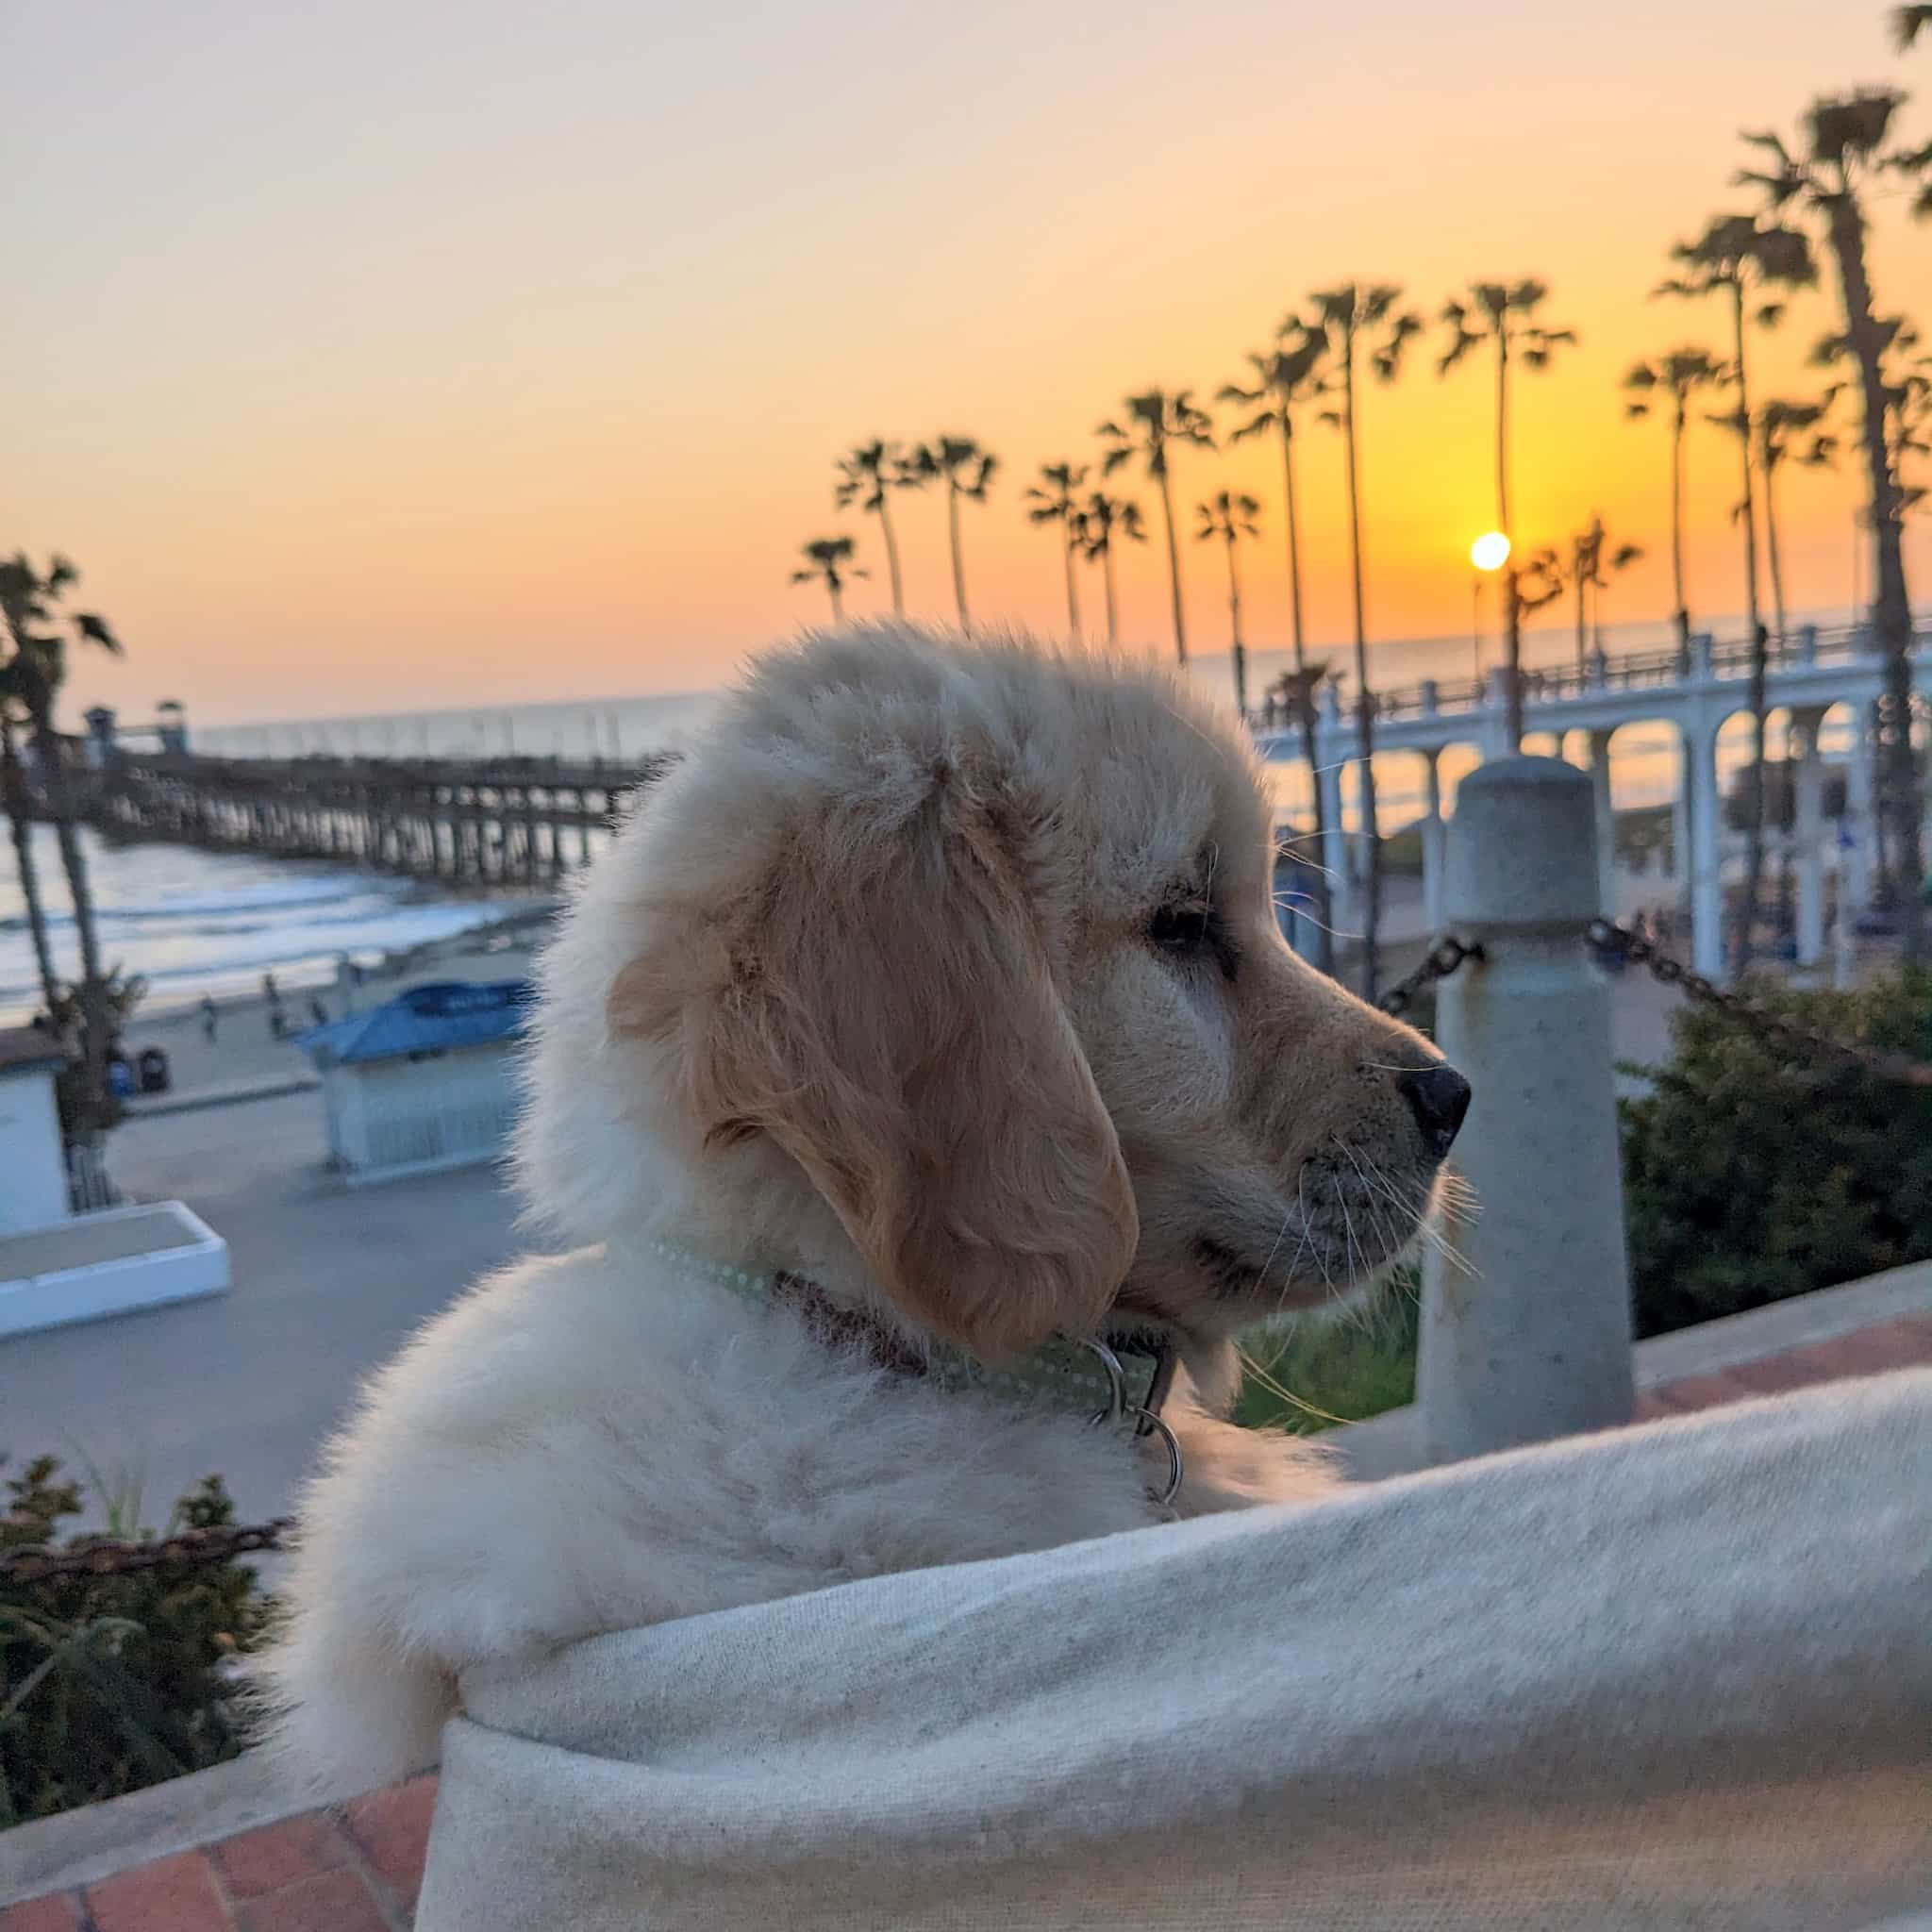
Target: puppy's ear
[[891, 1020]]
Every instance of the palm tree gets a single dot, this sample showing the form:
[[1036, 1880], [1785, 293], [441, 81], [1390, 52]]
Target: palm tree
[[1344, 316], [1285, 377], [1053, 503], [1592, 564], [13, 796], [1504, 314], [829, 560], [1786, 432], [1230, 517], [1844, 147], [1681, 374], [966, 470], [1099, 518], [866, 473], [42, 630], [1155, 419], [1740, 257]]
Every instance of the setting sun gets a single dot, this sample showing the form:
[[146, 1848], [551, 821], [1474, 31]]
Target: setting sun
[[1490, 551]]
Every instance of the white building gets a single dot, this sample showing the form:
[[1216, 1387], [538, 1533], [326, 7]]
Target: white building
[[33, 1170], [56, 1266], [423, 1082]]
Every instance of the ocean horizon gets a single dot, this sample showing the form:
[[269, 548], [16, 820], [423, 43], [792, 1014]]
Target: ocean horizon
[[620, 728]]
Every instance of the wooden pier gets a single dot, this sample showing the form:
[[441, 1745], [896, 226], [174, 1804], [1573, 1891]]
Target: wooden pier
[[485, 822]]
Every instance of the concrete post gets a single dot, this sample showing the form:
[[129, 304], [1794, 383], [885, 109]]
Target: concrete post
[[1707, 881], [1433, 831], [1605, 812], [1530, 1338], [1808, 831]]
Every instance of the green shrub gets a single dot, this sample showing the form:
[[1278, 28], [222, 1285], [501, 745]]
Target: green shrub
[[1753, 1172], [107, 1684], [1324, 1368]]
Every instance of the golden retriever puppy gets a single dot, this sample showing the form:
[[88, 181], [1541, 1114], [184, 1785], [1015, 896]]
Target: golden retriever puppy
[[929, 1019]]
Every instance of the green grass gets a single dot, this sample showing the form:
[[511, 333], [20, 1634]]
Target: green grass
[[1332, 1368]]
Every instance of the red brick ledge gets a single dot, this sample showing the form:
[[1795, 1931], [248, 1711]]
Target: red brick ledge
[[356, 1868]]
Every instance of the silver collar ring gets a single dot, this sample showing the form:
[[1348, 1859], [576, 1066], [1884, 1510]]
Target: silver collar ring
[[1147, 1421]]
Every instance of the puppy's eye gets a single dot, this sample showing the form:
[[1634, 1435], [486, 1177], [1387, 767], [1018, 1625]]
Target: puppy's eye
[[1186, 929]]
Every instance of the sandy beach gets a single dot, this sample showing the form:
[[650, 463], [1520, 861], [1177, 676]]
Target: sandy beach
[[245, 1057]]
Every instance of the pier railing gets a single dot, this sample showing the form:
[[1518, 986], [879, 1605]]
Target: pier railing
[[1626, 671]]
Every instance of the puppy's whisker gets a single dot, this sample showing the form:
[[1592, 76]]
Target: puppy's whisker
[[1281, 1390], [1416, 1210], [1280, 1234]]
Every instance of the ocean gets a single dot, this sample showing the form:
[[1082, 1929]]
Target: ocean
[[200, 923], [213, 922]]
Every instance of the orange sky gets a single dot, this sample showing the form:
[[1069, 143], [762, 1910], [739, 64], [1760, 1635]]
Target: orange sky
[[390, 355]]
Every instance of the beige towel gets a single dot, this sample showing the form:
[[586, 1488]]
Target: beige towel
[[1670, 1677]]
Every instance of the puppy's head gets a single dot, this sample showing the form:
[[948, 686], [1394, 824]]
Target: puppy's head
[[971, 949]]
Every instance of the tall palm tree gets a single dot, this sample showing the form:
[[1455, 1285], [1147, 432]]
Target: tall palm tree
[[1593, 561], [41, 630], [1680, 374], [1503, 313], [1230, 516], [1844, 147], [1100, 519], [1786, 432], [1740, 257], [1355, 320], [1154, 419], [966, 470], [867, 471], [1287, 377], [828, 561], [13, 796], [1052, 502]]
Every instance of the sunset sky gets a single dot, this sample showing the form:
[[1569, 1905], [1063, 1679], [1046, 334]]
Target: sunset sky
[[375, 356]]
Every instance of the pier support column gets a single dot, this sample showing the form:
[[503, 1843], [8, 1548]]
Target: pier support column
[[1680, 825], [1861, 793], [1434, 836], [1335, 849], [1605, 814], [1808, 830], [1706, 880]]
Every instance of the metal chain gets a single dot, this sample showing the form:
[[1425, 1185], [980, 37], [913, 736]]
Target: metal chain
[[1439, 963], [1613, 941], [104, 1557]]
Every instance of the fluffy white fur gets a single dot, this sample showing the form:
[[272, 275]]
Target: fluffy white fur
[[874, 986]]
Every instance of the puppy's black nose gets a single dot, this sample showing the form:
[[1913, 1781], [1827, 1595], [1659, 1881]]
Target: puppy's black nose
[[1439, 1096]]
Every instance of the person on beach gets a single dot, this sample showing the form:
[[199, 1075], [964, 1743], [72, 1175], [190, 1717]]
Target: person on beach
[[208, 1019]]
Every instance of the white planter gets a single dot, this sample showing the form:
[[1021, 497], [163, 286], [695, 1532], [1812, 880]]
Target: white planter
[[106, 1263]]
